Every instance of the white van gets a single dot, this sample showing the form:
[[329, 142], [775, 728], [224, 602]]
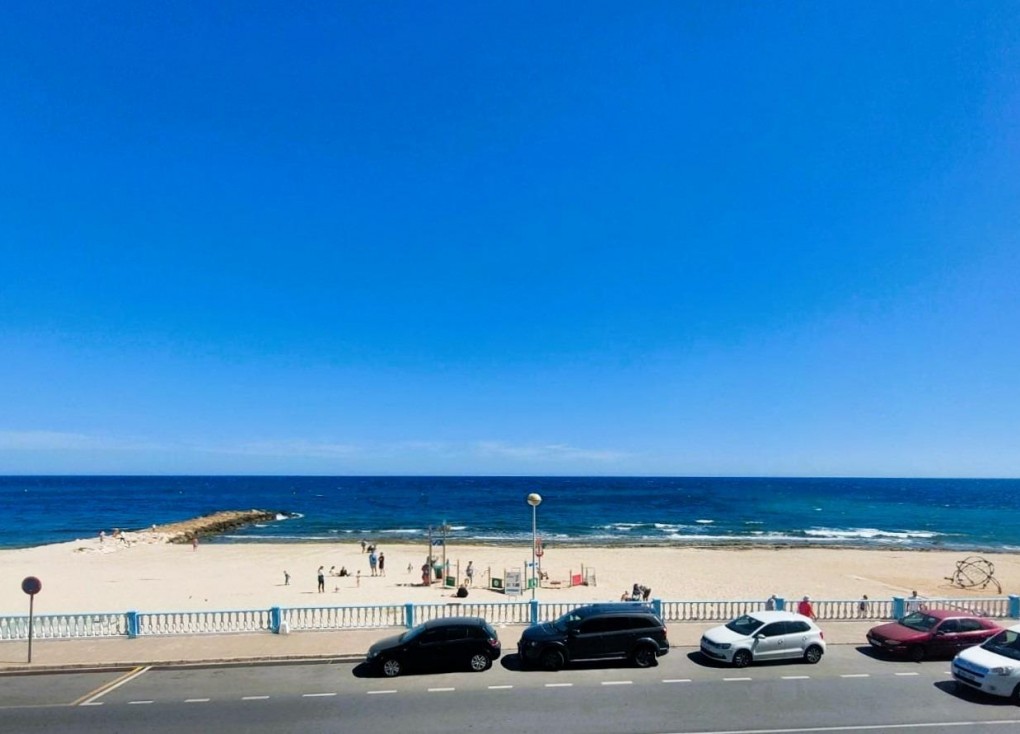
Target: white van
[[992, 667]]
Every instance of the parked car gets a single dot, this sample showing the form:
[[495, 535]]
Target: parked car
[[992, 667], [768, 635], [442, 644], [631, 631], [932, 633]]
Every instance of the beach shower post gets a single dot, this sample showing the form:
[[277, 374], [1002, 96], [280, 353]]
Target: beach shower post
[[534, 499]]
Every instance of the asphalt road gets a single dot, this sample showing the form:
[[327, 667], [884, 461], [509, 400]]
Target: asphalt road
[[849, 691]]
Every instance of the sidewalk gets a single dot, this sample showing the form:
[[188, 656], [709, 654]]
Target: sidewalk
[[345, 646]]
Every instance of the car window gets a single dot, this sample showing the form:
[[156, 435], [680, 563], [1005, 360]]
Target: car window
[[797, 627], [919, 621], [949, 626], [970, 625], [776, 628], [1006, 643], [456, 633], [744, 625], [430, 637], [600, 624]]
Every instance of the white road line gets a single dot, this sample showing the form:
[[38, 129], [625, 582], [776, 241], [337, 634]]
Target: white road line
[[856, 675], [196, 700], [558, 685], [97, 703], [138, 703], [316, 695], [906, 674], [389, 690], [617, 682], [254, 698], [440, 690], [796, 677], [676, 680], [730, 680], [499, 688]]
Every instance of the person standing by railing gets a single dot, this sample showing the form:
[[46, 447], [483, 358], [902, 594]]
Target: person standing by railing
[[804, 608]]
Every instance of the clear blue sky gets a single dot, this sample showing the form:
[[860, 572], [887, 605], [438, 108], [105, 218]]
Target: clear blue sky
[[521, 238]]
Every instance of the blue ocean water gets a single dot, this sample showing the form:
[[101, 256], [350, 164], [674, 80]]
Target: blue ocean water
[[965, 514]]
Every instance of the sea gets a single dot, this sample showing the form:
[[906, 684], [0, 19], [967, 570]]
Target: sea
[[952, 514]]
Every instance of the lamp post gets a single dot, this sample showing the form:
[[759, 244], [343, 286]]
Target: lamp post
[[534, 499]]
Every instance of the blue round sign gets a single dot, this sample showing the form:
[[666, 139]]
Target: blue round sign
[[31, 585]]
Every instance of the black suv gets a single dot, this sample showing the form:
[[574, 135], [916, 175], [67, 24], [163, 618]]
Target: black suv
[[595, 632], [441, 644]]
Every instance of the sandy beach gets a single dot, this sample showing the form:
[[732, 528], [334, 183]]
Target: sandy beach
[[145, 573]]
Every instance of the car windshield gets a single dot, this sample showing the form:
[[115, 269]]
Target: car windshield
[[1006, 643], [566, 622], [745, 625], [919, 621], [412, 633]]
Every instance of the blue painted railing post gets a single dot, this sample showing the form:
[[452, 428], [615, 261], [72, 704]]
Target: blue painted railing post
[[409, 615], [534, 611], [275, 617], [657, 607], [780, 603], [899, 607], [131, 618], [1014, 606]]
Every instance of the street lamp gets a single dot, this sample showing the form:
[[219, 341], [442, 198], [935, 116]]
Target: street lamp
[[534, 499]]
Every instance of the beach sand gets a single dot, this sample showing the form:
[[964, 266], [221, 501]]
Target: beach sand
[[144, 573]]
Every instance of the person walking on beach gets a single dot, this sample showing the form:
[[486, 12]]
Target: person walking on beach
[[194, 542], [286, 579], [373, 561], [322, 579], [862, 606], [363, 545], [470, 573], [382, 563], [804, 607]]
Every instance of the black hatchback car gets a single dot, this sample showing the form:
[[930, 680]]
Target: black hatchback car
[[442, 644], [630, 631]]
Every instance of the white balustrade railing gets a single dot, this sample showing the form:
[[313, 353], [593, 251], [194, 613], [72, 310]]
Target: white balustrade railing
[[135, 624], [64, 626]]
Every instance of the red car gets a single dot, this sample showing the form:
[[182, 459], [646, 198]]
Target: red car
[[932, 633]]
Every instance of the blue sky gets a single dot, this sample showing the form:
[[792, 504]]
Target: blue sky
[[533, 238]]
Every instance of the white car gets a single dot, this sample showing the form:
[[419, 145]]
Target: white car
[[992, 667], [762, 636]]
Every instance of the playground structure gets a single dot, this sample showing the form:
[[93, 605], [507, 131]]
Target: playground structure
[[509, 581], [974, 572]]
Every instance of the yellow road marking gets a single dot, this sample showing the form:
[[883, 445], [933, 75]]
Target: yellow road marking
[[109, 686]]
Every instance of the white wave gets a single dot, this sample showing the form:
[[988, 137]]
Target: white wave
[[408, 531], [704, 522], [868, 533]]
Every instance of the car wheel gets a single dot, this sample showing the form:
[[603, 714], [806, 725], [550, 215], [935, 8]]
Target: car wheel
[[644, 657], [813, 654], [392, 668], [552, 660], [916, 653], [480, 661], [741, 658]]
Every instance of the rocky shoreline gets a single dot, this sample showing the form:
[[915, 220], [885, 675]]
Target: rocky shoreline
[[218, 522]]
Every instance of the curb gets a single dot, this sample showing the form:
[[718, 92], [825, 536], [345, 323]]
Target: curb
[[28, 669]]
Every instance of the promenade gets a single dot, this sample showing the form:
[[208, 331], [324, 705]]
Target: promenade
[[341, 646]]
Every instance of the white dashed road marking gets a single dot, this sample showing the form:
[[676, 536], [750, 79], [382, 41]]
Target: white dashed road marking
[[196, 700], [499, 688], [441, 690], [906, 674], [796, 677], [138, 703], [317, 695], [856, 675], [558, 685], [391, 690], [254, 698], [617, 682], [676, 680], [730, 680]]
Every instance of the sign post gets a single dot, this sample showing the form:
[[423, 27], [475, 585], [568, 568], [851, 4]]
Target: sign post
[[31, 586]]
